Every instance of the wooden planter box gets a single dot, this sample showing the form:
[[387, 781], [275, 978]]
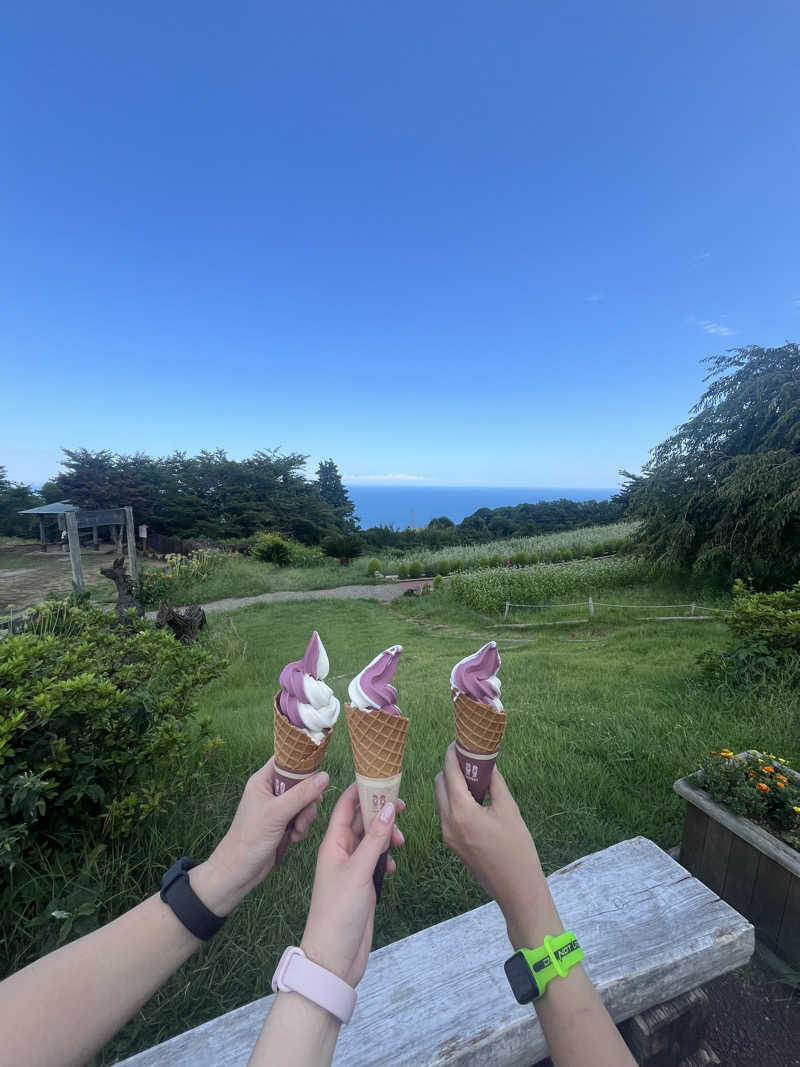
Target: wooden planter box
[[756, 873]]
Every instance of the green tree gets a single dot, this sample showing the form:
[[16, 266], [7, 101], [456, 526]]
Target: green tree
[[332, 490], [14, 498], [722, 494]]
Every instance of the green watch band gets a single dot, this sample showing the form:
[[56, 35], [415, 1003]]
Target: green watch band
[[529, 970]]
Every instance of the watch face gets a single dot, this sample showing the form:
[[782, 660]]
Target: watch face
[[523, 984]]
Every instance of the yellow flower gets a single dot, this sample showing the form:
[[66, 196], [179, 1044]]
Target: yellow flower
[[726, 753], [761, 787], [797, 809]]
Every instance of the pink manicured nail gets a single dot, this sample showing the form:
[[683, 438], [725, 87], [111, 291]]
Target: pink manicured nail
[[387, 812], [400, 835]]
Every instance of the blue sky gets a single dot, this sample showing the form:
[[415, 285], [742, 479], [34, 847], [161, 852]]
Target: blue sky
[[468, 243]]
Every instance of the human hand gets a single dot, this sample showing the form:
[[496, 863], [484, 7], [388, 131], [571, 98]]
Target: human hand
[[493, 842], [338, 934], [246, 854]]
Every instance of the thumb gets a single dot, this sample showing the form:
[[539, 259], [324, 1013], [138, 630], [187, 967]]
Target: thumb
[[291, 803], [376, 840]]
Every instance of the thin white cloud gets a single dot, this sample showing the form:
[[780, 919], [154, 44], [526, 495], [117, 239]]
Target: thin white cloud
[[701, 257], [717, 328], [594, 298], [383, 478]]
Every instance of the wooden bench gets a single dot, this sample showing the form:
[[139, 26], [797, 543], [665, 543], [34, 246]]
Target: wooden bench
[[650, 931]]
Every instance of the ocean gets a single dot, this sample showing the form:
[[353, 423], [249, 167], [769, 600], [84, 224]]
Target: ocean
[[416, 505]]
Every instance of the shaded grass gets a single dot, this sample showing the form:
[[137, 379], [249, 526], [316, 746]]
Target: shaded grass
[[602, 720]]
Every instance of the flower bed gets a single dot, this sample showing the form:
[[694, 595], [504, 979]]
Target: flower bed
[[731, 802]]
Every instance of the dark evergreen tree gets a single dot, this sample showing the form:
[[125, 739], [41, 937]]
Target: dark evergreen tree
[[722, 494], [333, 491]]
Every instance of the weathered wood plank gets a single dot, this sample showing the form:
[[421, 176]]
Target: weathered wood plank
[[715, 856], [668, 1033], [74, 551], [789, 936], [740, 878], [131, 534], [769, 900], [690, 790], [649, 930], [695, 828]]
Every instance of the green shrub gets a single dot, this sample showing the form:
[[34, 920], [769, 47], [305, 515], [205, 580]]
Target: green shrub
[[520, 559], [373, 566], [402, 570], [438, 583], [766, 636], [496, 561], [533, 558], [415, 569], [306, 555], [272, 548], [482, 561], [343, 547], [443, 566], [456, 565], [153, 587], [97, 726]]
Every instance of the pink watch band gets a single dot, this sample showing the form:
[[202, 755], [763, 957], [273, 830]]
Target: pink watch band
[[296, 973]]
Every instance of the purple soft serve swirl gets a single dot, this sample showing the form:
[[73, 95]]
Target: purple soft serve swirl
[[475, 675], [293, 690], [371, 690]]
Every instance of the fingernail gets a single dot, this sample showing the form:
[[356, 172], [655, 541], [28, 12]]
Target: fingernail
[[321, 779], [387, 812], [400, 835]]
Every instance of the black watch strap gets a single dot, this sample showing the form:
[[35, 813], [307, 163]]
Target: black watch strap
[[189, 908]]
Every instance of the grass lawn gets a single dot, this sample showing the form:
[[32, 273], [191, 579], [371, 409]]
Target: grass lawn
[[602, 719], [238, 575]]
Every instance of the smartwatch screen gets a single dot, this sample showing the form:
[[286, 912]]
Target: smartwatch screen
[[523, 984]]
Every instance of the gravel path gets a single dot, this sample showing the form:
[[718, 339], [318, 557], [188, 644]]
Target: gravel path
[[342, 592]]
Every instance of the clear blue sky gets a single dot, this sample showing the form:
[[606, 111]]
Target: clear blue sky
[[467, 242]]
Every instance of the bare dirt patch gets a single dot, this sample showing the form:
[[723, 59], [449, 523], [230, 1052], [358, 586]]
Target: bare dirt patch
[[28, 575]]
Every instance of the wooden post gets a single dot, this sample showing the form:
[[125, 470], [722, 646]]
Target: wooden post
[[591, 607], [505, 613], [95, 539], [74, 551], [131, 534], [692, 607], [42, 534]]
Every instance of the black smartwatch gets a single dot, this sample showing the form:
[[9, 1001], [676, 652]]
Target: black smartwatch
[[189, 908]]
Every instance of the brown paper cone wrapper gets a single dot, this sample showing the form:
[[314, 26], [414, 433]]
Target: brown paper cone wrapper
[[479, 730], [297, 757], [378, 741]]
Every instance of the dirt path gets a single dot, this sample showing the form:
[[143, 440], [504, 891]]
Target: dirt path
[[342, 592]]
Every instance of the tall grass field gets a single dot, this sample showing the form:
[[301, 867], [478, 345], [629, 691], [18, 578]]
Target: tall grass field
[[602, 719]]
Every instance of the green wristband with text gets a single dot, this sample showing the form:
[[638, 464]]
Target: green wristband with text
[[529, 970]]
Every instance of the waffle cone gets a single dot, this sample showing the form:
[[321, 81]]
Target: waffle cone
[[479, 727], [378, 740], [294, 749]]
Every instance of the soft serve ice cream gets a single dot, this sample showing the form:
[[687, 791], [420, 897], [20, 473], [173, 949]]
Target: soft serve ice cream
[[372, 689], [306, 701], [476, 676]]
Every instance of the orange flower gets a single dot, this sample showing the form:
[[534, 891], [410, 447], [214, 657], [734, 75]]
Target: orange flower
[[769, 769], [782, 778], [781, 785], [761, 787]]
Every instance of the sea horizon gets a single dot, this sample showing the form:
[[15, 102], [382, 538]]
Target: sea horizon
[[415, 505]]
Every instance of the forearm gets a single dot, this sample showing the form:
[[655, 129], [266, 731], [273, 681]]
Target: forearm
[[296, 1031], [577, 1027], [63, 1008]]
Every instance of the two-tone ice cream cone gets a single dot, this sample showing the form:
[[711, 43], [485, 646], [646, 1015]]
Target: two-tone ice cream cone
[[378, 739], [479, 730], [304, 714]]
